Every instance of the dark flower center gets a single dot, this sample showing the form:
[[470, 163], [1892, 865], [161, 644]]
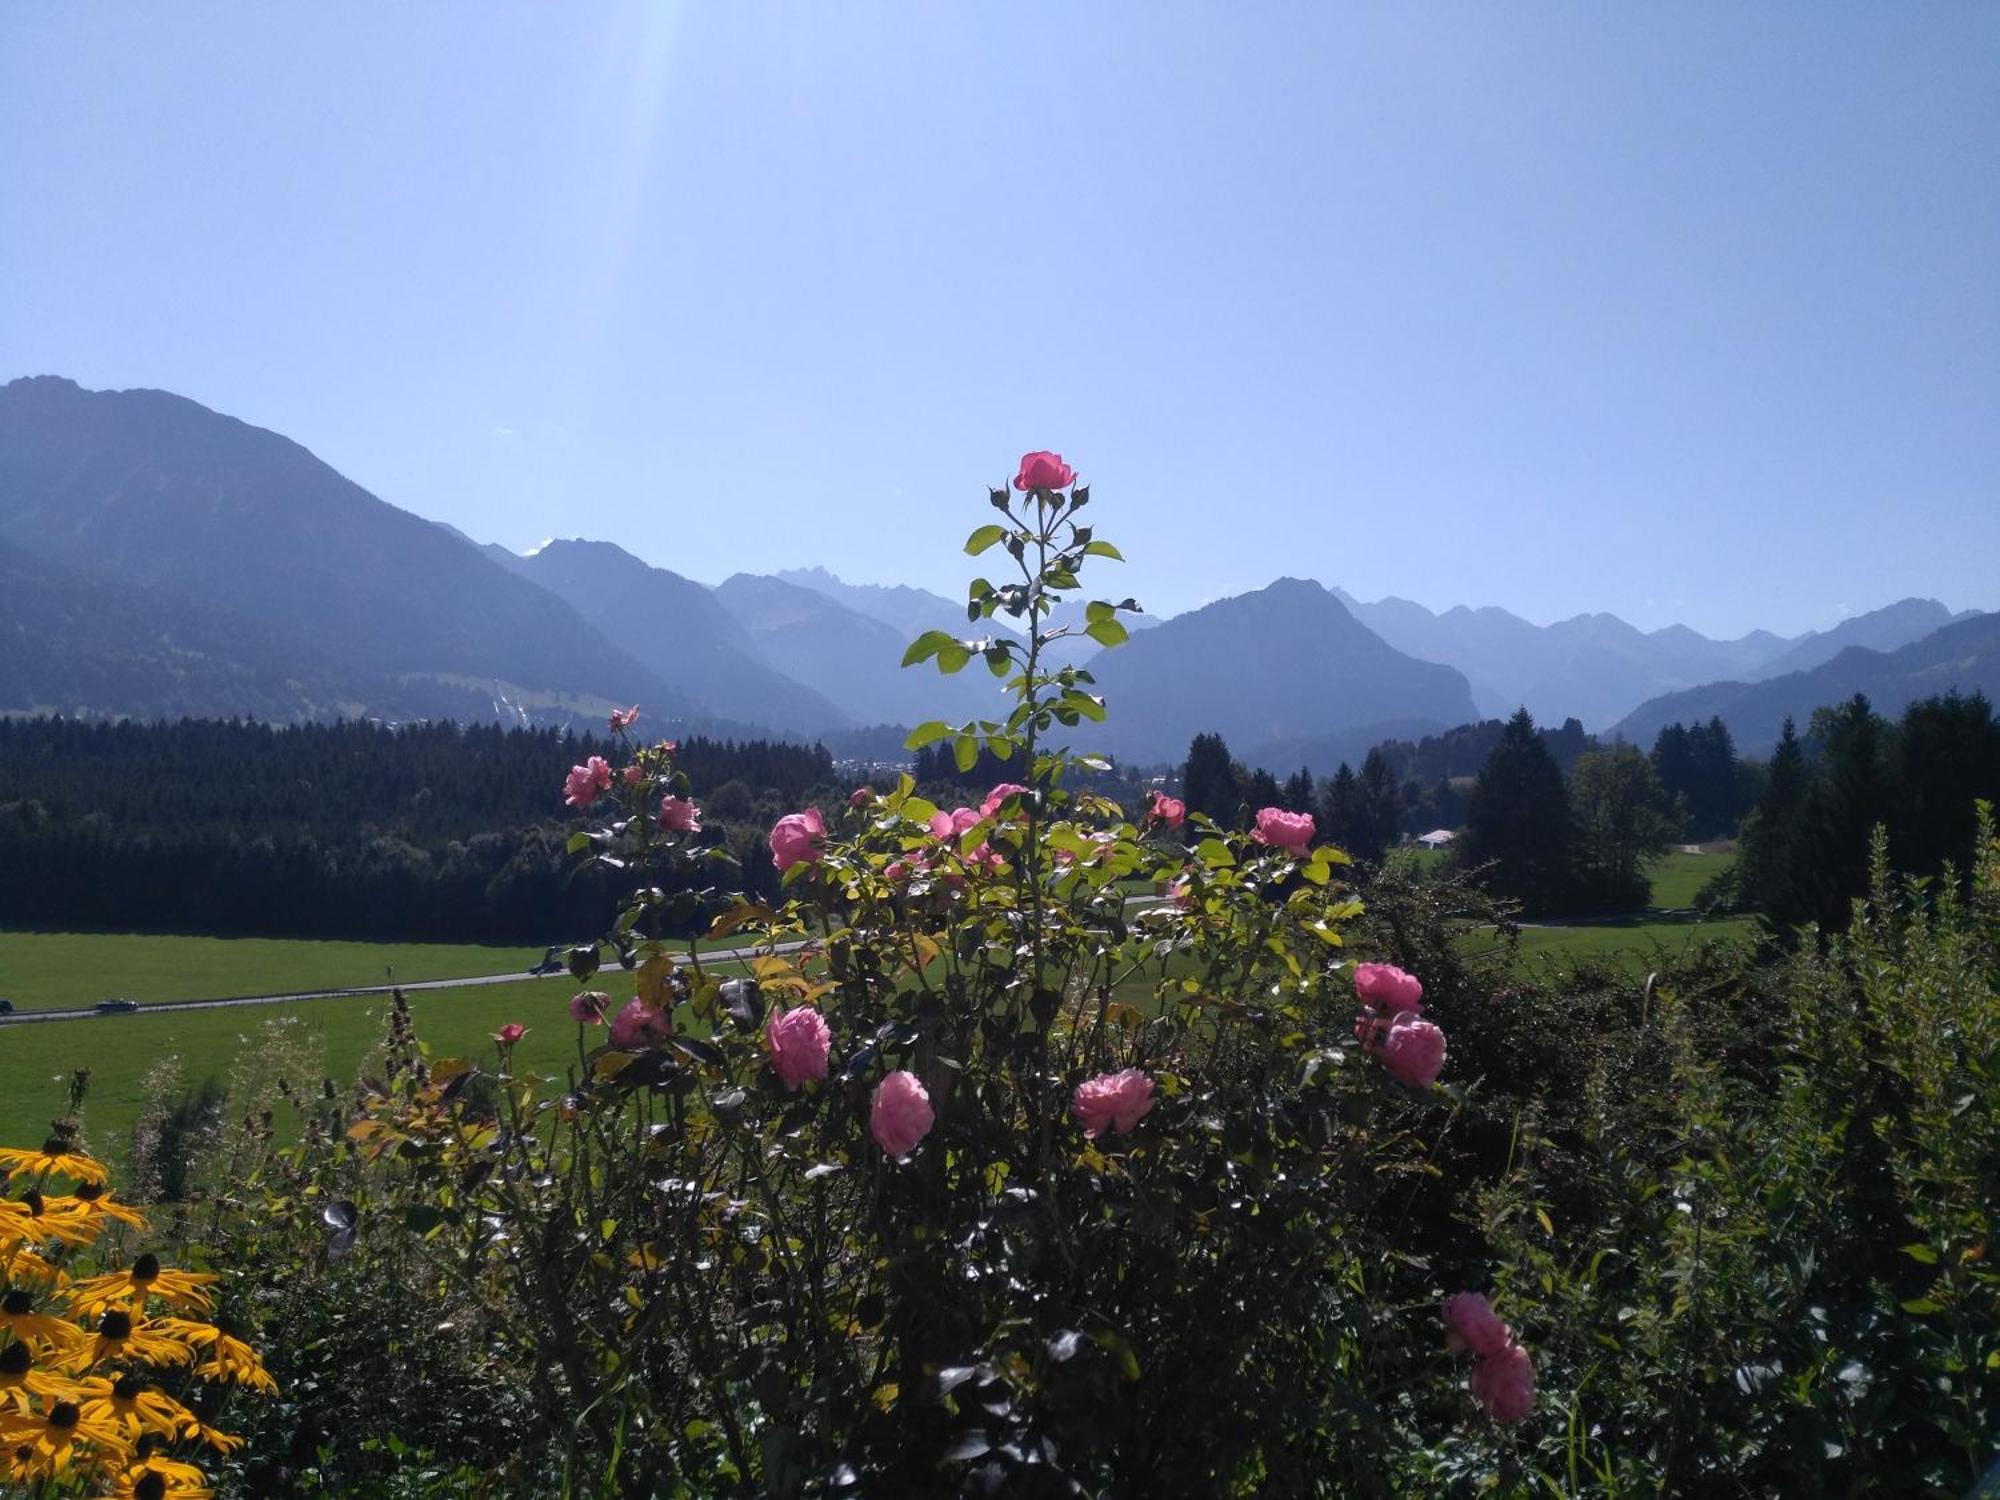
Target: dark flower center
[[16, 1303], [14, 1359], [63, 1415], [128, 1387], [146, 1267], [90, 1192], [116, 1325], [152, 1487], [32, 1200]]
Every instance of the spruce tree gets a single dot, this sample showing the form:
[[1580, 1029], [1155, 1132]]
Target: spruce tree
[[1517, 822]]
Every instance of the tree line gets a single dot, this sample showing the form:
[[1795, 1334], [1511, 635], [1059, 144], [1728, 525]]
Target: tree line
[[434, 831]]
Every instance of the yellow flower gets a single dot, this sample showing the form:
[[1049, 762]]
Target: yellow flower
[[147, 1278], [31, 1219], [158, 1479], [19, 1379], [95, 1200], [135, 1406], [228, 1359], [118, 1337], [56, 1158], [50, 1438], [18, 1317], [22, 1264]]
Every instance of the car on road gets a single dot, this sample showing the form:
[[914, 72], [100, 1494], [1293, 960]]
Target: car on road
[[6, 1006], [116, 1006]]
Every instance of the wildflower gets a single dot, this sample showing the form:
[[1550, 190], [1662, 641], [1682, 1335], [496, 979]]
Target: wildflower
[[49, 1437], [1388, 987], [633, 774], [589, 1007], [55, 1158], [228, 1359], [679, 815], [584, 782], [798, 1041], [1043, 470], [1170, 811], [1289, 831], [135, 1406], [797, 838], [95, 1200], [511, 1033], [1112, 1101], [621, 718], [146, 1278], [157, 1478], [19, 1379], [18, 1317], [900, 1115], [118, 1337], [861, 796]]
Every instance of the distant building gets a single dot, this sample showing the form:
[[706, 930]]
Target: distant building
[[1437, 838]]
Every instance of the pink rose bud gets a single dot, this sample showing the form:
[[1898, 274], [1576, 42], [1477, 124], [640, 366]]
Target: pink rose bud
[[584, 782], [1043, 471], [1388, 987], [798, 837], [589, 1007], [991, 806], [1472, 1324], [1290, 831], [638, 1024], [861, 796], [679, 815], [634, 774], [1112, 1101], [512, 1032], [900, 1115], [621, 718], [797, 1041], [1413, 1050], [1161, 808], [1504, 1382]]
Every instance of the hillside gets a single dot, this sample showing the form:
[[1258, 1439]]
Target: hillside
[[145, 488], [1965, 656], [1282, 663]]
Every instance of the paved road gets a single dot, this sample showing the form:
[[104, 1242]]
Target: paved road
[[25, 1017]]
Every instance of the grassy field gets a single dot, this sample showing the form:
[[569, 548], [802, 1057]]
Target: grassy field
[[51, 970], [325, 1038]]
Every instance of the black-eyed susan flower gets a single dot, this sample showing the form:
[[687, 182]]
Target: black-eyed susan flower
[[18, 1317], [135, 1406], [33, 1219], [119, 1338], [20, 1380], [97, 1202], [158, 1479], [55, 1158], [181, 1290], [51, 1438], [226, 1359], [18, 1264]]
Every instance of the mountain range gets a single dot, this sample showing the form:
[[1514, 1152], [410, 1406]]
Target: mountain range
[[161, 559]]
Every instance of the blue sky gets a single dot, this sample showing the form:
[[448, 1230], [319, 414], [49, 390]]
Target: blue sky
[[1685, 312]]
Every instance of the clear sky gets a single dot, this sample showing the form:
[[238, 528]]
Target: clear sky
[[1687, 312]]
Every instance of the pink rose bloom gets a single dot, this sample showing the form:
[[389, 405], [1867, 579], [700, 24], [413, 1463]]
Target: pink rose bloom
[[1043, 471], [584, 782], [1289, 831], [1413, 1050], [512, 1032], [1474, 1325], [798, 1041], [1504, 1382], [679, 815], [949, 825], [798, 837], [638, 1023], [861, 796], [901, 1114], [991, 806], [589, 1007], [1164, 809], [1112, 1101], [621, 718], [1388, 987], [634, 774]]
